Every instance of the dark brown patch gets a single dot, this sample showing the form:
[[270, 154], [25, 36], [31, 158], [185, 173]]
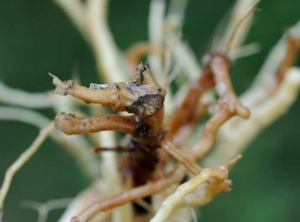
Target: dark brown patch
[[70, 115], [142, 163], [142, 129], [138, 107]]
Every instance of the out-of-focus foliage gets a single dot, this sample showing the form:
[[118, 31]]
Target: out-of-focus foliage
[[36, 38]]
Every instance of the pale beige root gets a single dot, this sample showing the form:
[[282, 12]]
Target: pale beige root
[[219, 173], [43, 209], [241, 8], [143, 97], [167, 62], [90, 18], [206, 193], [274, 59], [245, 51], [22, 98], [174, 199], [112, 177], [182, 54], [238, 27], [179, 215], [77, 146], [173, 74], [25, 156], [101, 217], [181, 94], [36, 100], [156, 35], [271, 73], [267, 80], [181, 157], [234, 136], [96, 191], [168, 104], [161, 31], [175, 16], [187, 60]]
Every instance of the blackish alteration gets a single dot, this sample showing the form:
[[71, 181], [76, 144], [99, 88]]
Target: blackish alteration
[[146, 105]]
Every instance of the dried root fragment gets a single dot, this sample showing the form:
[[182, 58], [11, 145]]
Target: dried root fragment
[[143, 97]]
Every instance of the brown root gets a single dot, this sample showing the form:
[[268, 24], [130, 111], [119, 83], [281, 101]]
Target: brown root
[[70, 124], [143, 97], [293, 46]]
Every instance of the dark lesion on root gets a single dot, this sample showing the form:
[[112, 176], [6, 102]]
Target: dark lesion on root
[[149, 95], [143, 130], [146, 105], [139, 165]]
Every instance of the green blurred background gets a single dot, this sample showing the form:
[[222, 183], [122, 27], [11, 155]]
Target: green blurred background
[[36, 38]]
